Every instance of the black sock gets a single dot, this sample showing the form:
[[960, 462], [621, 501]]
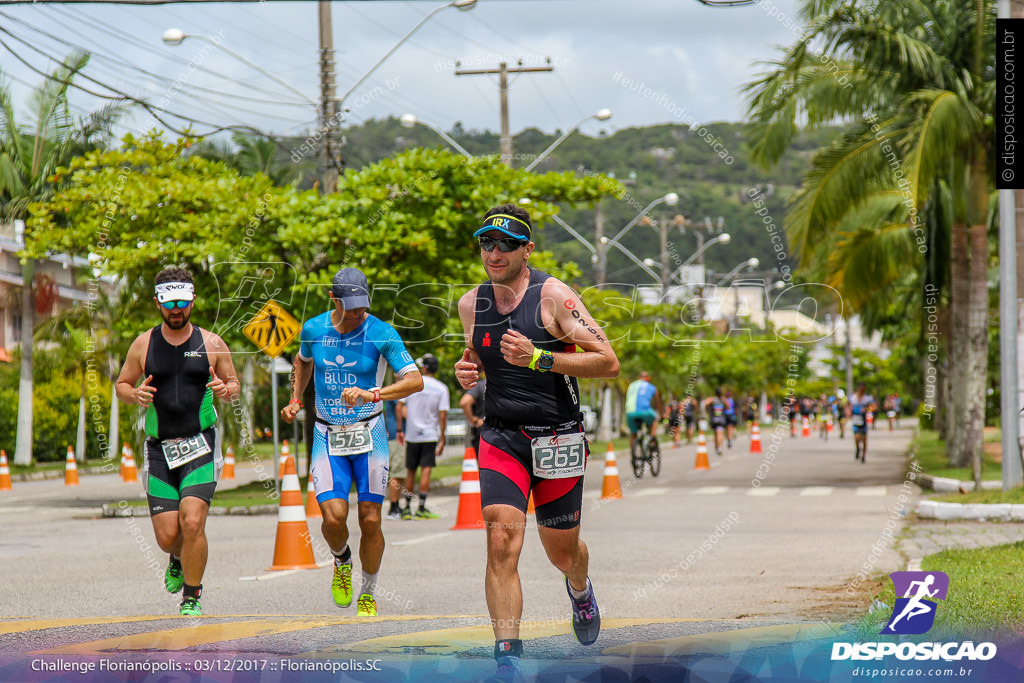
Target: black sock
[[408, 501], [423, 501], [510, 647], [394, 507], [193, 591], [175, 562], [344, 556]]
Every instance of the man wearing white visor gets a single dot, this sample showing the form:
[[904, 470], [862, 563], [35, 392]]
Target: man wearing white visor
[[184, 368]]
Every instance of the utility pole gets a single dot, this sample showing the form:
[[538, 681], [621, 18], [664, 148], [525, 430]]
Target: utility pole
[[503, 71], [601, 269], [328, 105]]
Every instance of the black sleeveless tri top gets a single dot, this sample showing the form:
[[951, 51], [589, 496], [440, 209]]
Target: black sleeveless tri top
[[518, 395], [182, 405]]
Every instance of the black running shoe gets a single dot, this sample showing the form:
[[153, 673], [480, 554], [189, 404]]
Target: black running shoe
[[586, 617]]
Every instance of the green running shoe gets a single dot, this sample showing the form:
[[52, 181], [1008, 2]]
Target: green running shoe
[[367, 606], [174, 578], [406, 513], [190, 608], [341, 586], [424, 513]]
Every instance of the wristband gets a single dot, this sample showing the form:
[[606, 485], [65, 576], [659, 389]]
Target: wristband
[[536, 357], [376, 395], [295, 400]]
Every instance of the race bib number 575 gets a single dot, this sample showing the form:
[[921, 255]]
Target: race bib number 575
[[559, 457], [349, 439]]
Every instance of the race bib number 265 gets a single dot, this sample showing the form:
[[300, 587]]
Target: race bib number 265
[[559, 457]]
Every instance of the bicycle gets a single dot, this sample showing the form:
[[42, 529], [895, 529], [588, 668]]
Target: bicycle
[[645, 451]]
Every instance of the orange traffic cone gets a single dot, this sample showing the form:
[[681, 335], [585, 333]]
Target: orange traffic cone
[[871, 419], [129, 465], [229, 463], [292, 548], [124, 455], [71, 469], [755, 439], [828, 423], [312, 507], [702, 453], [285, 452], [806, 430], [470, 514], [610, 489], [530, 507], [5, 472]]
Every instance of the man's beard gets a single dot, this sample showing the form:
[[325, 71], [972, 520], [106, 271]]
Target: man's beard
[[176, 324], [509, 275]]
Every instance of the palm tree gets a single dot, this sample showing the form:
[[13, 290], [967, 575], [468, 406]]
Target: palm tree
[[911, 79], [29, 156]]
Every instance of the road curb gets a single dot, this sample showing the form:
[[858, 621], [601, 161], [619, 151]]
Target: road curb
[[40, 475], [982, 512], [117, 510], [947, 485]]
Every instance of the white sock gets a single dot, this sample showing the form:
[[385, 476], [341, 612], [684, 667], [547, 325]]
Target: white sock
[[579, 595], [369, 584]]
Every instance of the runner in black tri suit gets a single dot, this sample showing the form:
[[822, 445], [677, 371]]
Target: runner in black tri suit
[[184, 368], [534, 337]]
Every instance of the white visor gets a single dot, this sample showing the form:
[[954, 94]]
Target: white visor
[[175, 291]]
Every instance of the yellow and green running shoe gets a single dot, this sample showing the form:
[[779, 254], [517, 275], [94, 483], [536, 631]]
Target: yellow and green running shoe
[[367, 606], [341, 585]]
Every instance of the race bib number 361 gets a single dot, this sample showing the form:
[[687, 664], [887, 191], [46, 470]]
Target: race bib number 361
[[349, 439], [559, 457]]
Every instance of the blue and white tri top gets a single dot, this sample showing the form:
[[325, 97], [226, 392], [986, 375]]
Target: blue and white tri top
[[357, 359]]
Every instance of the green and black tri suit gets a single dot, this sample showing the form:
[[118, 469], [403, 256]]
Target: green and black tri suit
[[182, 407]]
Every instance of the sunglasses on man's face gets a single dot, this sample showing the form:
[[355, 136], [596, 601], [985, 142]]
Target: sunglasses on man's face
[[505, 245], [171, 305]]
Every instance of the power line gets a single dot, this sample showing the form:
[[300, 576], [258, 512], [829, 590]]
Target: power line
[[213, 107], [102, 56], [102, 26], [124, 96]]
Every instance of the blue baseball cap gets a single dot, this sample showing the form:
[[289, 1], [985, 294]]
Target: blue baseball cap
[[514, 227], [350, 286]]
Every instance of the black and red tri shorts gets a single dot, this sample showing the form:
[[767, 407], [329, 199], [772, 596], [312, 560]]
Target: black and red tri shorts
[[506, 473]]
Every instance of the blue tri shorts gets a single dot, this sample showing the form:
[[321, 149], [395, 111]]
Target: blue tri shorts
[[333, 474]]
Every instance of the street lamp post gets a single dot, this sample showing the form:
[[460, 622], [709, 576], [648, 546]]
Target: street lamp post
[[175, 37], [408, 120], [670, 199], [749, 263], [601, 115]]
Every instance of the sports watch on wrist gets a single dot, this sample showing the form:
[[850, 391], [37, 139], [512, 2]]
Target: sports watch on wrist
[[546, 361]]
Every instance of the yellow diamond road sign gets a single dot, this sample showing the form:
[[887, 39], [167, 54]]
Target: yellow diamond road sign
[[272, 328]]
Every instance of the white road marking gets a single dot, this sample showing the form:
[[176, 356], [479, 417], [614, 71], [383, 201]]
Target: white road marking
[[817, 491], [421, 539], [870, 491], [653, 492], [710, 490], [764, 491], [284, 572]]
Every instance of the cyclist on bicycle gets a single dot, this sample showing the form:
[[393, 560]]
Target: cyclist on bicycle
[[643, 406]]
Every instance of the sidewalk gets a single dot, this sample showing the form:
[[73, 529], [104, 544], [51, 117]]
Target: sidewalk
[[927, 537]]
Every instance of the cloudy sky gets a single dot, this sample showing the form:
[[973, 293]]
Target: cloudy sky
[[649, 61]]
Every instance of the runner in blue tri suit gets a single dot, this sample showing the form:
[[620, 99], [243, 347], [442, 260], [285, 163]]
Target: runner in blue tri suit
[[730, 418], [347, 351], [858, 407]]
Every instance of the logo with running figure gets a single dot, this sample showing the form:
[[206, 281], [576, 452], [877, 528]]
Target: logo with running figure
[[914, 613]]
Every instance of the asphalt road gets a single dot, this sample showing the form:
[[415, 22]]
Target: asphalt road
[[686, 553]]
